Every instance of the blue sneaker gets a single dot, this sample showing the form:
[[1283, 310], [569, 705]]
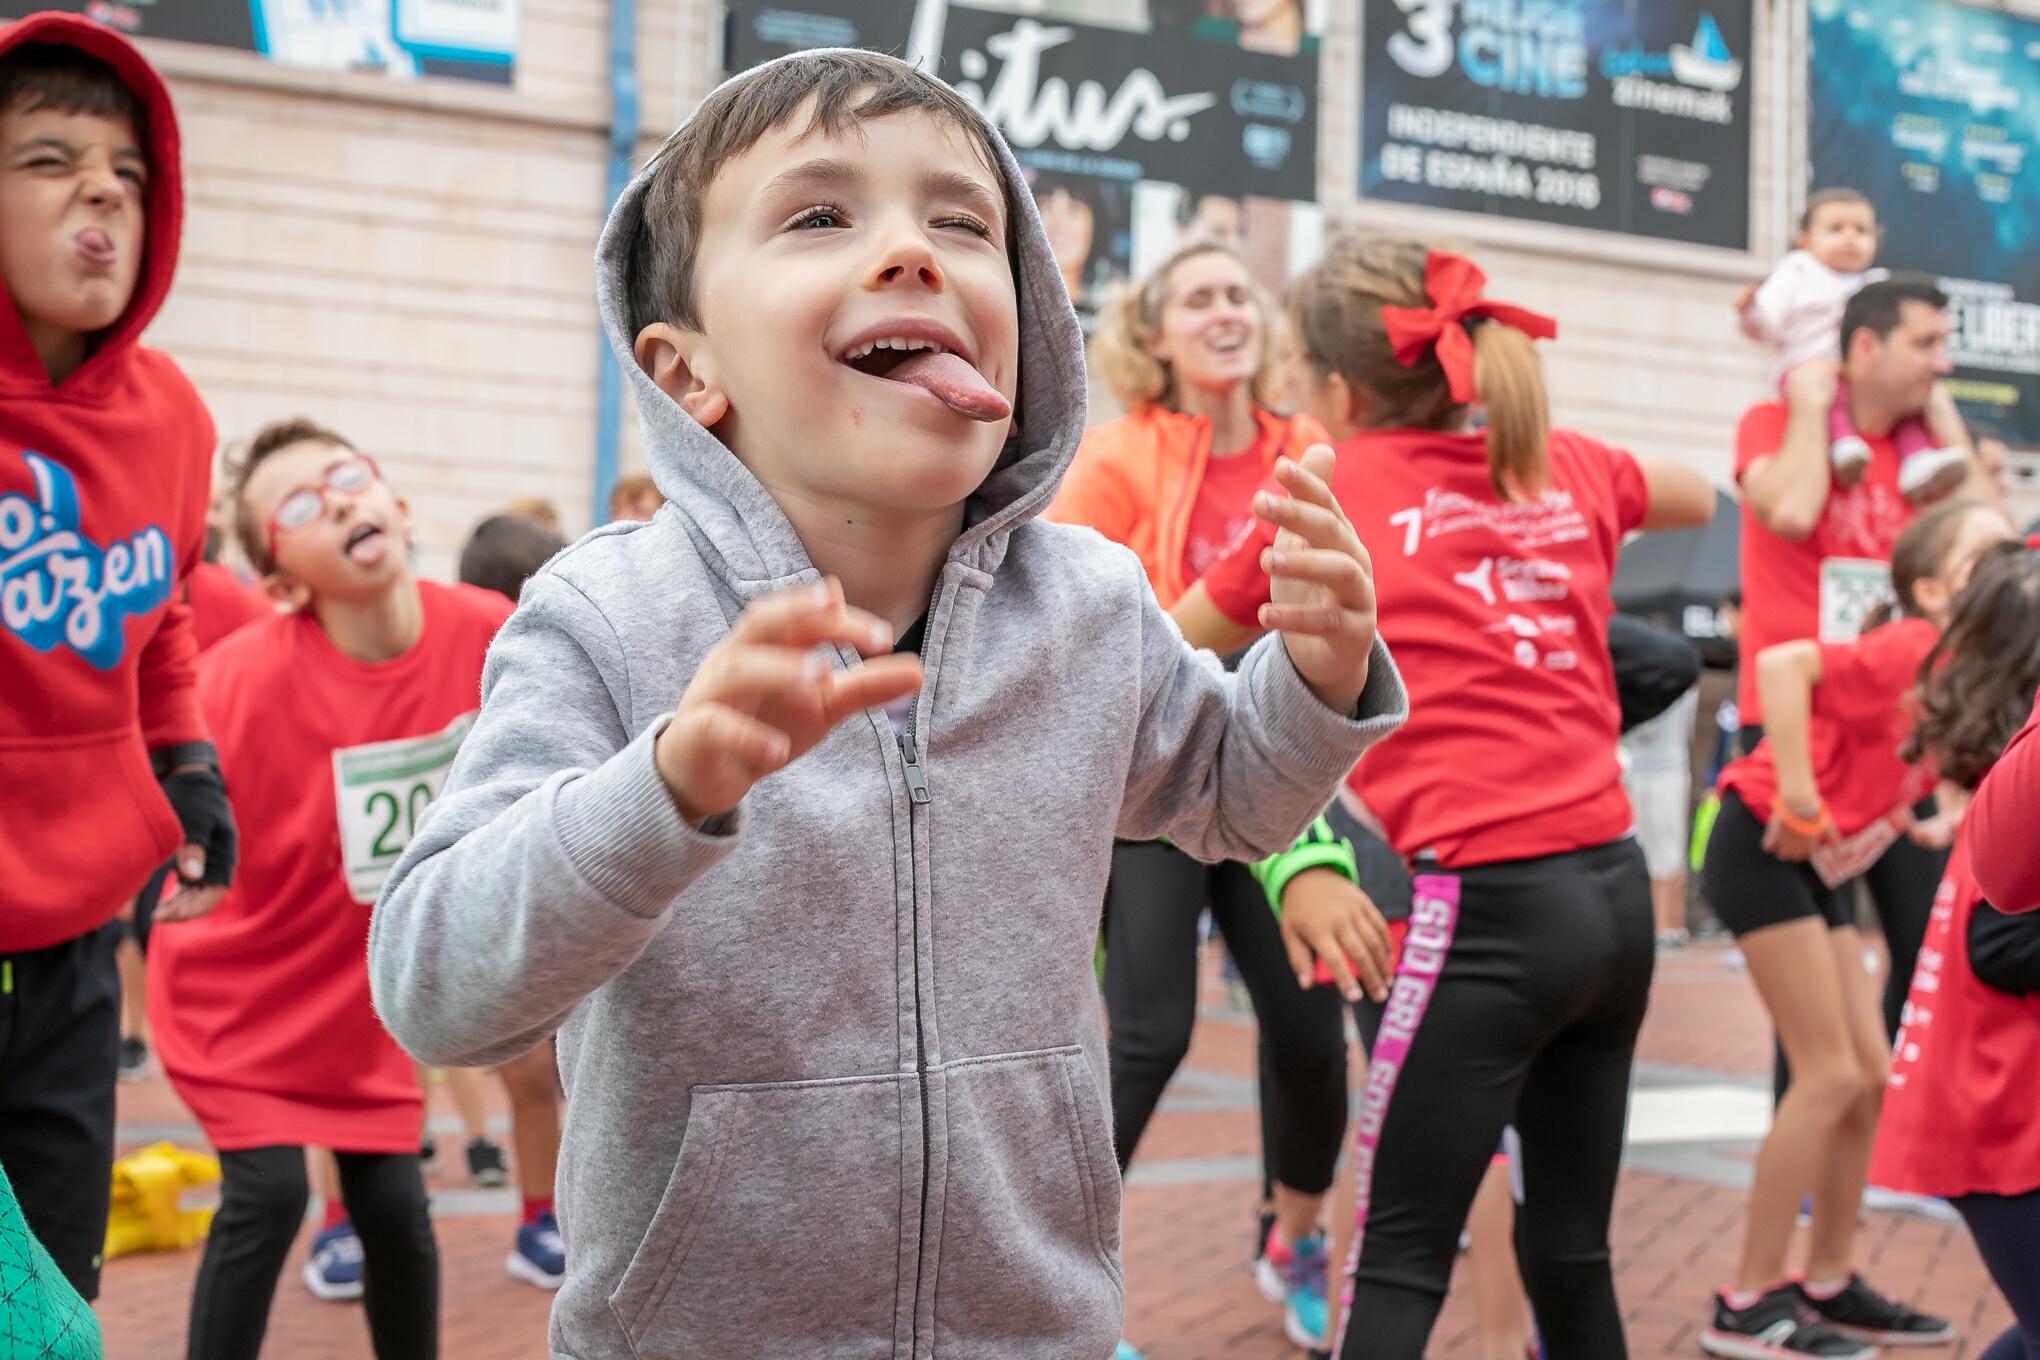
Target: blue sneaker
[[1306, 1317], [1125, 1351], [334, 1272], [541, 1257]]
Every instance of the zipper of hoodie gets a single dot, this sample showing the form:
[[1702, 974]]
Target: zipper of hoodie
[[918, 796]]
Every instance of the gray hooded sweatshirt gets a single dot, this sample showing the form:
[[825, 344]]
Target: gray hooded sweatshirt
[[835, 1064]]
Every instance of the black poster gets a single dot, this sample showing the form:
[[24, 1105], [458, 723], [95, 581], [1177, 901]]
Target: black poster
[[214, 22], [1077, 99], [468, 39], [1630, 116], [1134, 143]]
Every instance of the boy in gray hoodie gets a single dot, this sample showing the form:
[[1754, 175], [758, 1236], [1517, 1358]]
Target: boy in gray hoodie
[[818, 940]]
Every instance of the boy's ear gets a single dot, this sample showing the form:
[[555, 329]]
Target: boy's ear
[[288, 592], [683, 367]]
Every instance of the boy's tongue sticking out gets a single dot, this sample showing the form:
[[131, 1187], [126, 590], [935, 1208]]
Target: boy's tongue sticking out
[[954, 383], [936, 364], [366, 545]]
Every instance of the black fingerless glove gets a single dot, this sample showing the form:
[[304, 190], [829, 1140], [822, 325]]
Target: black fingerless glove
[[190, 775]]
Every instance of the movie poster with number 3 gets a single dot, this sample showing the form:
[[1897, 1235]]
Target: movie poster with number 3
[[1629, 116]]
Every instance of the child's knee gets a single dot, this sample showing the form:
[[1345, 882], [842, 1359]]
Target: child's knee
[[272, 1203]]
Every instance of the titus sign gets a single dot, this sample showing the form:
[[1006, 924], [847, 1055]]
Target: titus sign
[[1084, 100]]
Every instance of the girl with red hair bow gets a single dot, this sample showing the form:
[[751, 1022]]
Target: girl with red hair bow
[[1526, 967]]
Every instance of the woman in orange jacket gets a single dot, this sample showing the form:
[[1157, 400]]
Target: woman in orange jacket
[[1186, 352]]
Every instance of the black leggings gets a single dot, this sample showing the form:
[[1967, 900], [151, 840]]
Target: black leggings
[[2007, 1233], [1902, 883], [262, 1205], [1150, 986], [1517, 1003]]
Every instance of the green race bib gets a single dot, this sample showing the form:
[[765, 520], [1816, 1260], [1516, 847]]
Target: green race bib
[[381, 791]]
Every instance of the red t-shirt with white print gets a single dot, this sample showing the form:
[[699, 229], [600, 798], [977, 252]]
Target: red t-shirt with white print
[[1821, 587], [1965, 1072], [1223, 506], [1498, 617]]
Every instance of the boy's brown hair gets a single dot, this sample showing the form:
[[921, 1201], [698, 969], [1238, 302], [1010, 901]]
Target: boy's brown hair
[[53, 76], [630, 492], [504, 552], [271, 438], [848, 89]]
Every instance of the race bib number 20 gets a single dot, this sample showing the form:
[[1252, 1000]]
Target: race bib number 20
[[381, 791]]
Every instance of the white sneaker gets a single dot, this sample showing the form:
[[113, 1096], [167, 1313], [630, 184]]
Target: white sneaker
[[1931, 474], [1899, 1202], [1850, 458]]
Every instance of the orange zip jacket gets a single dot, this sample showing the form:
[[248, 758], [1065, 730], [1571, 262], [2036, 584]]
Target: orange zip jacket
[[1135, 481]]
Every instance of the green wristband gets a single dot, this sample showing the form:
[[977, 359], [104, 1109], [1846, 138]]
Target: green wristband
[[1319, 847]]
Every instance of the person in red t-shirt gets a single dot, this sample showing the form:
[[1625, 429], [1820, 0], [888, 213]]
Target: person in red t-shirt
[[1959, 1106], [1821, 798], [1528, 958], [1815, 555], [1186, 352], [261, 1009]]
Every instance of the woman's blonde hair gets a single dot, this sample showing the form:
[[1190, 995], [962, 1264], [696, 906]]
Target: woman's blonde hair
[[1335, 306], [1131, 321]]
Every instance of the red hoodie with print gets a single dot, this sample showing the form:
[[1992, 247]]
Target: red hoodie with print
[[103, 482]]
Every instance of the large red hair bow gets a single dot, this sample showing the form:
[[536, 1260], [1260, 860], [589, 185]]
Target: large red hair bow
[[1453, 284]]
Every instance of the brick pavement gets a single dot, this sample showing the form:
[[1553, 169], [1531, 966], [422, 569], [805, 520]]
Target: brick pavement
[[1187, 1222]]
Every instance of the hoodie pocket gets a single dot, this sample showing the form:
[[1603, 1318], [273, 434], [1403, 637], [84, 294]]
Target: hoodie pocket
[[770, 1176], [95, 828], [1029, 1255]]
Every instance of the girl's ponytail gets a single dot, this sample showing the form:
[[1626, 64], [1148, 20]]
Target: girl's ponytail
[[1508, 380]]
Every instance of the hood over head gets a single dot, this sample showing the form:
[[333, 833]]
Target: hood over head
[[699, 473], [163, 204]]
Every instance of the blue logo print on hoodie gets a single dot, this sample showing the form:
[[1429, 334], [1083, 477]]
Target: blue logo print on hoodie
[[59, 587]]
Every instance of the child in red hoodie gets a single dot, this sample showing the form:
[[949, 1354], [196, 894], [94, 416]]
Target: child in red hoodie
[[105, 454]]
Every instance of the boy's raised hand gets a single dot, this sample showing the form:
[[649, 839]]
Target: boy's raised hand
[[763, 696], [1321, 581]]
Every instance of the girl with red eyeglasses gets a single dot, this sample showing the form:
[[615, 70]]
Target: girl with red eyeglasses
[[336, 722]]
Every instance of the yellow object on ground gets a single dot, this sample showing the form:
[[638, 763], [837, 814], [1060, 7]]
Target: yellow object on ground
[[148, 1187]]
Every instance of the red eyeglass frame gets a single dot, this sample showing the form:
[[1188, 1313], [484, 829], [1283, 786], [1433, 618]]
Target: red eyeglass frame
[[324, 485]]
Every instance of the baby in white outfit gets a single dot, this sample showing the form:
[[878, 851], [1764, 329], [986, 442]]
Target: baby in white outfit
[[1798, 312]]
